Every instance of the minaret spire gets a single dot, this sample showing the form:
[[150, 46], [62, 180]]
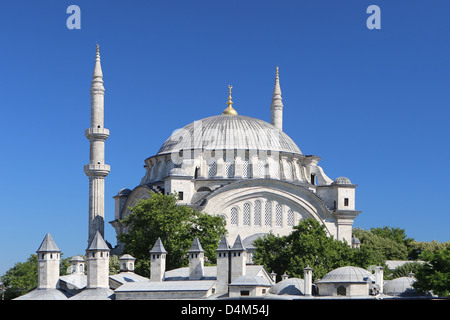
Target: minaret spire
[[277, 104], [97, 170]]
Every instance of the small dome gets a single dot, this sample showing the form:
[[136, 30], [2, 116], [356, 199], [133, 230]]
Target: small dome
[[291, 286], [355, 240], [124, 192], [77, 259], [342, 180], [347, 275], [248, 280], [127, 257], [400, 287]]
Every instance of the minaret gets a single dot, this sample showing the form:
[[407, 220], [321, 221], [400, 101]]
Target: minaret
[[277, 105], [97, 170]]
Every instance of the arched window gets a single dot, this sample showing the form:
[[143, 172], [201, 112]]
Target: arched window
[[234, 216], [212, 168], [257, 213], [290, 218], [278, 215], [341, 291], [288, 171], [268, 214], [274, 167], [262, 168], [246, 215], [229, 167], [246, 168]]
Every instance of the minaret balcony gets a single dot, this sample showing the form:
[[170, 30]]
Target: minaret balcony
[[97, 170], [97, 133]]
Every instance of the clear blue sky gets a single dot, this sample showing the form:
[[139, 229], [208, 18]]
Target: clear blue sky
[[373, 104]]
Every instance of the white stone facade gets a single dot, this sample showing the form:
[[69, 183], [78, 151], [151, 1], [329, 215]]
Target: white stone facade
[[247, 171]]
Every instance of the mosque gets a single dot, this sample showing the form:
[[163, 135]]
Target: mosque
[[246, 170]]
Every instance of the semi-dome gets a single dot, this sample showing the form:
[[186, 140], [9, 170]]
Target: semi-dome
[[229, 132]]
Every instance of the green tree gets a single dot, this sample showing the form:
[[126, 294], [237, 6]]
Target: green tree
[[435, 274], [114, 265], [396, 234], [406, 269], [307, 245], [418, 247], [21, 278], [176, 225], [382, 244]]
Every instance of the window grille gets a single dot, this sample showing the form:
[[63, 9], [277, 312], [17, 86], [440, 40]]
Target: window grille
[[229, 168], [257, 218], [262, 169], [278, 215], [290, 218], [268, 214], [212, 168], [288, 171], [274, 168], [234, 216], [246, 217], [246, 168]]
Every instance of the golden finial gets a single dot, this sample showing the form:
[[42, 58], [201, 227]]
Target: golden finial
[[229, 95], [98, 47], [229, 111]]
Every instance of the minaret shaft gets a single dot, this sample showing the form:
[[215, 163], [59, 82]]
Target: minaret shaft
[[97, 170]]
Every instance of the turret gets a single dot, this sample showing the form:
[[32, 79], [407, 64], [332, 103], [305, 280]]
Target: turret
[[97, 255], [97, 170], [77, 265], [48, 256], [238, 259], [223, 266], [126, 263], [196, 260], [157, 261]]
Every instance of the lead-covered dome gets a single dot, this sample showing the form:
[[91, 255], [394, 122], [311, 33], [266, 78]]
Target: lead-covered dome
[[225, 132], [347, 274]]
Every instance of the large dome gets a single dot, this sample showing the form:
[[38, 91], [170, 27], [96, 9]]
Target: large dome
[[225, 132]]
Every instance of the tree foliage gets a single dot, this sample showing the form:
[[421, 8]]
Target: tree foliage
[[21, 278], [417, 248], [405, 269], [176, 225], [435, 274], [382, 243], [307, 245]]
